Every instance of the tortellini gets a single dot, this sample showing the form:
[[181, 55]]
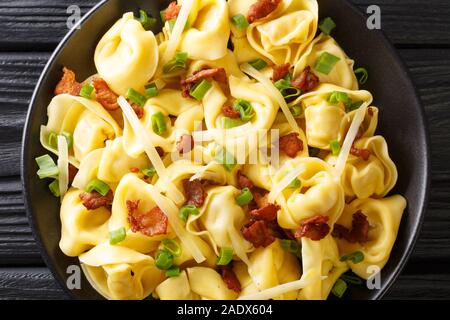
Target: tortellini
[[384, 216], [87, 121], [127, 55]]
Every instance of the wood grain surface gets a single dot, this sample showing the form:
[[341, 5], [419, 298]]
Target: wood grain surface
[[31, 30]]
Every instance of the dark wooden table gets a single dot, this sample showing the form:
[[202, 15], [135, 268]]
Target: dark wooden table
[[31, 29]]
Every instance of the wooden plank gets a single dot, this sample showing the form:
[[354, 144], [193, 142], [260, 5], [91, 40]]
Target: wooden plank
[[38, 283], [41, 24]]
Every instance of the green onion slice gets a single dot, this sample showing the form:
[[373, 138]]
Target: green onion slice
[[163, 260], [159, 123], [147, 21], [338, 96], [225, 256], [117, 236], [286, 89], [355, 257], [259, 64], [47, 167], [151, 90], [295, 184], [240, 21], [292, 246], [173, 271], [245, 109], [364, 75], [149, 172], [172, 24], [335, 147], [54, 188], [69, 139], [172, 246], [136, 97], [228, 123], [200, 89], [99, 186], [87, 89], [245, 197], [53, 140], [352, 279], [188, 210], [176, 63], [327, 25], [326, 62], [296, 111], [226, 159], [339, 288]]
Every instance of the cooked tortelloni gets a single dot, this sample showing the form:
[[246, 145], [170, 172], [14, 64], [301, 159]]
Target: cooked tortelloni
[[268, 267], [81, 229], [341, 75], [373, 177], [323, 118], [86, 120], [120, 273], [284, 34], [169, 103], [220, 221], [318, 193], [322, 258], [127, 55], [194, 284], [228, 62], [384, 216]]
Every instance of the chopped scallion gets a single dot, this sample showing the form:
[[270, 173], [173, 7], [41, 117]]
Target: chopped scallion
[[327, 25], [172, 246], [47, 167], [326, 62], [364, 75], [226, 159], [353, 106], [136, 97], [54, 188], [163, 260], [172, 24], [245, 109], [287, 90], [259, 64], [99, 186], [245, 197], [335, 147], [159, 123], [228, 123], [147, 21], [225, 256], [117, 236], [292, 246], [53, 140], [87, 89], [188, 210], [296, 111], [355, 257], [177, 63], [339, 288], [69, 139], [148, 172], [200, 89], [338, 96], [352, 279], [240, 21], [173, 271], [295, 184], [151, 90]]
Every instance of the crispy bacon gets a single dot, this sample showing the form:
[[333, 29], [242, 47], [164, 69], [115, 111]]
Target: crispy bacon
[[217, 74], [68, 83], [72, 173], [151, 223], [172, 11], [243, 181], [307, 81], [185, 144], [257, 233], [230, 112], [104, 95], [280, 71], [362, 153], [261, 9], [359, 231], [314, 228], [138, 110], [290, 144], [94, 200], [134, 170], [195, 193], [230, 279], [267, 213]]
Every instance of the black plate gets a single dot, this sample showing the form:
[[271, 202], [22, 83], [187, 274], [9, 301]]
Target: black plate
[[402, 123]]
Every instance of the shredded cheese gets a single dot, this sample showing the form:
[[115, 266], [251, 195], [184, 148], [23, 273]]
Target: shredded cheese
[[150, 150], [235, 238], [248, 69], [63, 165], [284, 183], [212, 134], [349, 139], [171, 211], [282, 289], [175, 36]]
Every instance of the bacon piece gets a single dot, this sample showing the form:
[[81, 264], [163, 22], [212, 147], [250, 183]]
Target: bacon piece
[[257, 233], [314, 228], [195, 193], [267, 213], [104, 95], [138, 110], [359, 231], [290, 144], [72, 173], [307, 81], [94, 200], [261, 199], [68, 84], [261, 9], [362, 153], [172, 11], [134, 170], [185, 144], [217, 74], [151, 223], [230, 279], [230, 112], [243, 181], [280, 71], [160, 151]]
